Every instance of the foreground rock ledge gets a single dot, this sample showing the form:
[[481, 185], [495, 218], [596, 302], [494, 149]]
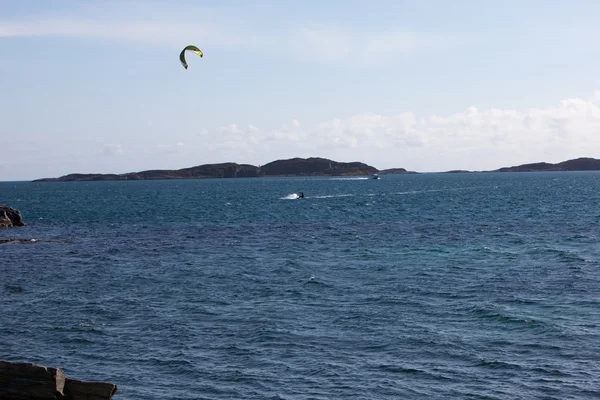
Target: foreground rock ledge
[[24, 381], [10, 217]]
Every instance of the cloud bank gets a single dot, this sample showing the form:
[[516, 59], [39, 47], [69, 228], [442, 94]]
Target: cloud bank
[[471, 139]]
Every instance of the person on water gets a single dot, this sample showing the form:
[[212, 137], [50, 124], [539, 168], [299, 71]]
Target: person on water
[[301, 195]]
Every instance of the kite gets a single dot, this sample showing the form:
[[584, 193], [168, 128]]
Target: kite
[[190, 48]]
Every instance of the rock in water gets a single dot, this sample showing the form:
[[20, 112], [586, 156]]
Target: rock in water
[[24, 381], [10, 217], [28, 381], [78, 390]]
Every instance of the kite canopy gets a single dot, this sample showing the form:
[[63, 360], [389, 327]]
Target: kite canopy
[[189, 48]]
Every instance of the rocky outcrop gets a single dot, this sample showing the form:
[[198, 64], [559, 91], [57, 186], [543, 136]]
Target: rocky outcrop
[[24, 381], [79, 390], [10, 217], [29, 381], [16, 240]]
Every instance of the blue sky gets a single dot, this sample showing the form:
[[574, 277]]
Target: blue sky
[[96, 86]]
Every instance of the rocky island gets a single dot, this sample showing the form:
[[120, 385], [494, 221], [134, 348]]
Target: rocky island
[[313, 166], [579, 164], [393, 171]]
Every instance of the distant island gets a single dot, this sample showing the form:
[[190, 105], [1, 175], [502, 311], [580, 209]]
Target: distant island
[[392, 171], [313, 166], [579, 164]]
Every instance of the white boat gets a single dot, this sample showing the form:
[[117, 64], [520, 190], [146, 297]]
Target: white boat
[[374, 176]]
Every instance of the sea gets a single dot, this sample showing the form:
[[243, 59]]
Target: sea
[[424, 286]]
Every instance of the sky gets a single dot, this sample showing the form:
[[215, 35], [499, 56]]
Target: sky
[[426, 85]]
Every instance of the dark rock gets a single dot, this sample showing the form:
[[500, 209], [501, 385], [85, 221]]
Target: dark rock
[[10, 217], [16, 240], [78, 390], [20, 381], [24, 381], [32, 240]]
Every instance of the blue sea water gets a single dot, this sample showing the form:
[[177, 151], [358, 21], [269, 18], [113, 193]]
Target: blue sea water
[[439, 286]]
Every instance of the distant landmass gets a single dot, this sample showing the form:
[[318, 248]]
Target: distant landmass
[[392, 171], [579, 164], [313, 166]]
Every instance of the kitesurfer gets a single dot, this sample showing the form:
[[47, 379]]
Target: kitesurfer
[[301, 195]]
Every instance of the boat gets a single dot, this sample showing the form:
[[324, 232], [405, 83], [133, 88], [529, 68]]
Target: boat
[[374, 176]]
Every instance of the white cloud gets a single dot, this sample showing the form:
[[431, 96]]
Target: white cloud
[[472, 139]]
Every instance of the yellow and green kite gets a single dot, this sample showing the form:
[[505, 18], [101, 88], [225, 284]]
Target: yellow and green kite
[[190, 48]]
